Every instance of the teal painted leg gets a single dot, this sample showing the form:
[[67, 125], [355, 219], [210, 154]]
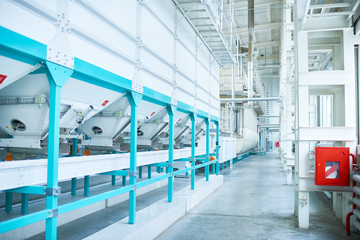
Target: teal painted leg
[[149, 172], [24, 203], [193, 130], [207, 148], [217, 148], [140, 171], [73, 186], [8, 202], [113, 180], [86, 185], [134, 100], [124, 180], [74, 153], [57, 76], [171, 111], [213, 168]]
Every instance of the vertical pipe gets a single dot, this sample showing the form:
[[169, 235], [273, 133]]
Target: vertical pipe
[[8, 202], [149, 171], [213, 168], [192, 150], [171, 153], [217, 148], [233, 86], [86, 185], [251, 47], [24, 203], [207, 149], [140, 172], [73, 180]]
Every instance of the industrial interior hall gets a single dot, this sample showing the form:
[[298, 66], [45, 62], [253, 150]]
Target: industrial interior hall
[[179, 119]]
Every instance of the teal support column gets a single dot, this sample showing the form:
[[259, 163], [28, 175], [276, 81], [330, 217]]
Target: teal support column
[[57, 76], [134, 100], [24, 203], [73, 180], [140, 172], [113, 180], [217, 148], [124, 180], [171, 111], [207, 122], [86, 185], [193, 130], [213, 168], [8, 201], [149, 172]]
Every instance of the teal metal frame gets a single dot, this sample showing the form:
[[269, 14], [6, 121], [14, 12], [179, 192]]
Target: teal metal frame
[[26, 50]]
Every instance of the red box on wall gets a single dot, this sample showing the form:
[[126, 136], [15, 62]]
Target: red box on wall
[[332, 166]]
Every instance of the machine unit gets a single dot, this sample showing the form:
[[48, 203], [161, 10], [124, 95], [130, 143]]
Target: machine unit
[[332, 166]]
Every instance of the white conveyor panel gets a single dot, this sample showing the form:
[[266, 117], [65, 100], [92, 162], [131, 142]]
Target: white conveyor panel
[[33, 172]]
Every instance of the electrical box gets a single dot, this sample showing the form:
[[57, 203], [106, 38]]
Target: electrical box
[[332, 166]]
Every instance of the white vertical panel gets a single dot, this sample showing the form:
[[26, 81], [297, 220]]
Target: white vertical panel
[[156, 37], [185, 62], [26, 23], [98, 57], [164, 10], [121, 12]]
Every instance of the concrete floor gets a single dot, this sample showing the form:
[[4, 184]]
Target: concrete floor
[[255, 203]]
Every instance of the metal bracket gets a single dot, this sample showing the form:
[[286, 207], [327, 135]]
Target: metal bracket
[[133, 187], [52, 191], [133, 173], [170, 164], [192, 160], [53, 213]]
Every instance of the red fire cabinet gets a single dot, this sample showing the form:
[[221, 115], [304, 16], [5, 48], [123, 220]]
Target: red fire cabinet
[[332, 166]]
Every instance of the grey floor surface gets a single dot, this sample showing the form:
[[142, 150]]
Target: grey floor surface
[[255, 203]]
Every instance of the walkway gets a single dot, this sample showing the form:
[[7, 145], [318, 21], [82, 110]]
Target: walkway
[[255, 203]]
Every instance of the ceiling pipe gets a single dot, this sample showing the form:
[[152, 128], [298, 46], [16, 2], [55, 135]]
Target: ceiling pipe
[[249, 99]]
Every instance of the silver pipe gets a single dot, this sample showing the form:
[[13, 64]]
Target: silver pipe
[[251, 46], [233, 86], [249, 99]]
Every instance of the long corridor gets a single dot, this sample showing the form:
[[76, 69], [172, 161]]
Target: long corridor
[[255, 203]]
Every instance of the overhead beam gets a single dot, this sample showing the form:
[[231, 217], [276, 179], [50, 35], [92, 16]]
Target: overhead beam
[[330, 5], [272, 56], [257, 28], [240, 6]]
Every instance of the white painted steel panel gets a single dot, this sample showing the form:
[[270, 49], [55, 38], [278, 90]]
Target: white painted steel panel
[[203, 55], [94, 55], [112, 47], [154, 64], [33, 172], [164, 10], [186, 34], [335, 77], [50, 5], [202, 77], [164, 87], [81, 19], [185, 62], [156, 37], [204, 105], [22, 21], [121, 12], [327, 134]]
